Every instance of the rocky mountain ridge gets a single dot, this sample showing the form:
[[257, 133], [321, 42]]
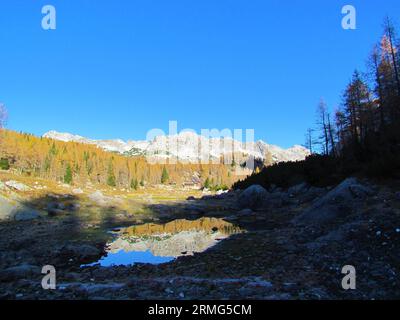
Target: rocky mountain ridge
[[191, 147]]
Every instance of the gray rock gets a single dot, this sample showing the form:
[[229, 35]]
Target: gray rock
[[252, 198], [222, 192], [17, 185], [337, 203]]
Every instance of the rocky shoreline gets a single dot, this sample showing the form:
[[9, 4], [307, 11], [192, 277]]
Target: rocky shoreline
[[295, 245]]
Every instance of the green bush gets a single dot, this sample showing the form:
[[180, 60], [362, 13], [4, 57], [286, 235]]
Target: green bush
[[4, 164], [134, 184], [68, 175], [164, 176]]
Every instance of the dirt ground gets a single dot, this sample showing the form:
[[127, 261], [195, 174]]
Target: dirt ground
[[272, 259]]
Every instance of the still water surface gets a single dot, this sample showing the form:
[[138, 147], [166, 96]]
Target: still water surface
[[160, 243]]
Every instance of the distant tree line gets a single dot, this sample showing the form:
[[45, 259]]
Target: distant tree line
[[77, 163], [365, 126], [361, 136]]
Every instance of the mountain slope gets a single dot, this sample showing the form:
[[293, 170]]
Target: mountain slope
[[190, 147]]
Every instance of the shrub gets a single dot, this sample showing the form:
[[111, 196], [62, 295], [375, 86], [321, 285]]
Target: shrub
[[4, 164], [68, 175]]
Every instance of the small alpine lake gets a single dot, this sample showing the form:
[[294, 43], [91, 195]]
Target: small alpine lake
[[153, 243]]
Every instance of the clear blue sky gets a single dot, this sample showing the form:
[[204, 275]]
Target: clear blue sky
[[115, 69]]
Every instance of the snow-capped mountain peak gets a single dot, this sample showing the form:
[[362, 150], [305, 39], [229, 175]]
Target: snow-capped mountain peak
[[191, 147]]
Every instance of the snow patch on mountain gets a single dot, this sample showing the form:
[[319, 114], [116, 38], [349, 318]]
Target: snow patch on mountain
[[191, 147]]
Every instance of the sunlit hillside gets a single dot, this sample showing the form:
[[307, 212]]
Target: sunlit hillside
[[78, 164]]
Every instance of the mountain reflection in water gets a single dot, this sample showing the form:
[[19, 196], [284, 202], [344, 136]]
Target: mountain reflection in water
[[159, 243]]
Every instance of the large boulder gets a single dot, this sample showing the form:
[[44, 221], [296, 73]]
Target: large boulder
[[253, 197], [336, 204]]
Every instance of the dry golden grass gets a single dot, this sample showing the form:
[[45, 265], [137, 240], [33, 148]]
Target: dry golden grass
[[118, 201]]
